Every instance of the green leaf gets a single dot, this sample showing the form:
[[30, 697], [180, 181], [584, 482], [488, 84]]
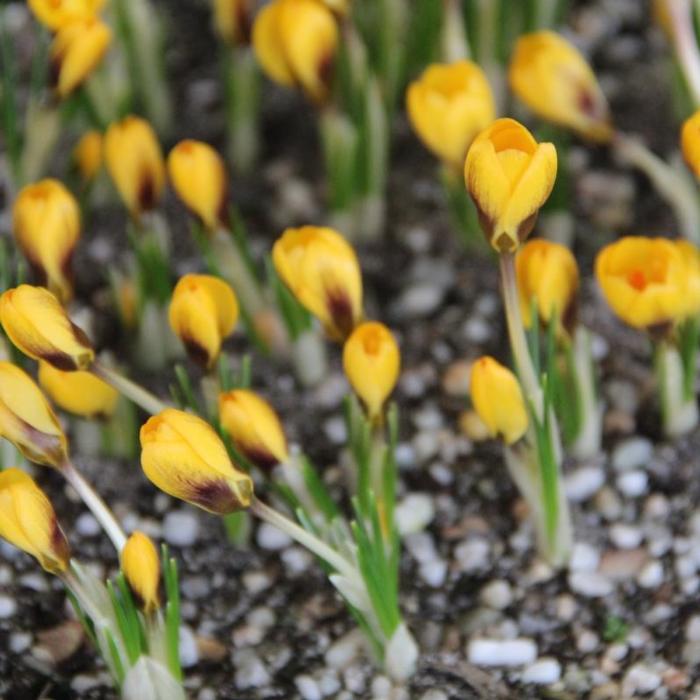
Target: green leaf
[[318, 490], [172, 612], [689, 338]]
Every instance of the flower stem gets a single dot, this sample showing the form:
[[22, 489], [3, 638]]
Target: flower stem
[[140, 396], [685, 43]]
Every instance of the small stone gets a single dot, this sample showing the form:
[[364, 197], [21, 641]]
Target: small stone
[[567, 607], [336, 430], [583, 483], [473, 427], [189, 653], [19, 642], [544, 671], [434, 572], [210, 649], [476, 330], [308, 688], [472, 554], [633, 483], [344, 651], [419, 300], [434, 695], [271, 538], [590, 584], [632, 453], [87, 526], [657, 507], [8, 607], [250, 670], [505, 653], [587, 641], [608, 503], [256, 581], [381, 687], [692, 629], [651, 575], [625, 536], [296, 559], [181, 528], [622, 564], [584, 557], [455, 381], [414, 513], [61, 642], [497, 595], [640, 679]]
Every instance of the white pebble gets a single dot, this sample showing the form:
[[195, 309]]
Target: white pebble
[[584, 557], [434, 572], [87, 526], [625, 536], [308, 688], [181, 528], [419, 300], [381, 687], [271, 538], [250, 670], [587, 641], [640, 679], [8, 607], [341, 653], [692, 629], [496, 652], [633, 483], [544, 671], [414, 513], [472, 555], [497, 595], [296, 559], [590, 584], [336, 430], [632, 453], [20, 641], [652, 575], [583, 483], [189, 654]]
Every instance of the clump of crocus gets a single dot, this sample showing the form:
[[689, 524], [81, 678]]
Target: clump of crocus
[[653, 284], [46, 226]]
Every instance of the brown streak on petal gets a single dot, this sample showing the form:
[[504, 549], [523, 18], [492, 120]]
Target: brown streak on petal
[[340, 308], [215, 496], [243, 23], [59, 360], [146, 195], [259, 456], [81, 336], [59, 543], [196, 352], [660, 331], [525, 228]]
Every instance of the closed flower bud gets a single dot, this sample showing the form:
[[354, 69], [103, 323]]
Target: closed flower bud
[[183, 456], [321, 270], [547, 274], [203, 312], [46, 225], [448, 106], [199, 178], [134, 160], [691, 257], [509, 176], [87, 155], [80, 393], [38, 325], [56, 13], [648, 282], [232, 20], [28, 521], [371, 361], [498, 400], [76, 50], [141, 567], [295, 42], [690, 142], [254, 428], [554, 80], [27, 420]]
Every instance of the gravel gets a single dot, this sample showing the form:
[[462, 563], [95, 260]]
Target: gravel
[[505, 653]]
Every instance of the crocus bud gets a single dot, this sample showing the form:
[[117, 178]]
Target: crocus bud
[[509, 176], [254, 427], [46, 225], [80, 393], [76, 50], [448, 106], [141, 567], [28, 521], [647, 282], [321, 270], [87, 155], [498, 400], [199, 178], [183, 456], [203, 312], [232, 20], [27, 420], [371, 361], [690, 142], [38, 325], [548, 275], [554, 80], [134, 160], [57, 13], [295, 42]]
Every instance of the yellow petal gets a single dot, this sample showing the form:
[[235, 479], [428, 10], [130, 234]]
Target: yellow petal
[[28, 521], [371, 361], [254, 427], [690, 142], [141, 567], [232, 20], [56, 13], [268, 45], [498, 400], [183, 456], [39, 326], [46, 226], [87, 155]]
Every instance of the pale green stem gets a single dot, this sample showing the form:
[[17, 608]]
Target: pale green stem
[[679, 414], [242, 106], [455, 45], [680, 13], [140, 396], [96, 505]]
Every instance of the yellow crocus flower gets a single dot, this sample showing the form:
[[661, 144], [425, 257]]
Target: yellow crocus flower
[[646, 281], [38, 325], [76, 50], [448, 105], [134, 160], [498, 400], [371, 360], [203, 312], [548, 274], [28, 521], [690, 142], [80, 393], [509, 176], [141, 567], [46, 226], [254, 427], [87, 155], [554, 80], [27, 420], [232, 20], [295, 42], [183, 456], [198, 175], [321, 269], [57, 13]]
